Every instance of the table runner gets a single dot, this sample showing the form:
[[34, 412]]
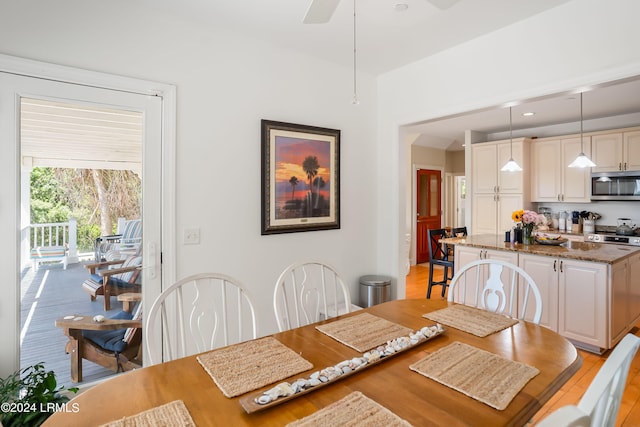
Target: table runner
[[239, 368], [363, 331], [172, 414], [472, 320], [355, 409], [477, 373]]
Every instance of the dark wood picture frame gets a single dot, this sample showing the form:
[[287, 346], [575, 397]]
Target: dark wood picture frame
[[300, 178]]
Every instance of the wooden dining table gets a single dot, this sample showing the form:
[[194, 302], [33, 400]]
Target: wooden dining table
[[411, 396]]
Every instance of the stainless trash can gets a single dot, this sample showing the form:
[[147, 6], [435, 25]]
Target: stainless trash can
[[374, 290]]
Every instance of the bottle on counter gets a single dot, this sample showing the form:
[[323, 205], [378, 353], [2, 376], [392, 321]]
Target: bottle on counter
[[562, 221], [554, 221]]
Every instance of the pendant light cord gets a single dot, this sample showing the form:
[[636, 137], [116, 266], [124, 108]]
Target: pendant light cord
[[581, 138], [510, 135], [355, 86]]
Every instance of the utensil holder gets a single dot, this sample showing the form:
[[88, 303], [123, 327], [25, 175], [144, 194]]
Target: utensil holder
[[588, 226]]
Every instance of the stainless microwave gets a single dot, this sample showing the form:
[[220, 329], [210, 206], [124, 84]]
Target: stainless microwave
[[615, 185]]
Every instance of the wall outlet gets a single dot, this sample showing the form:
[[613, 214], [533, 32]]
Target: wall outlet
[[191, 236]]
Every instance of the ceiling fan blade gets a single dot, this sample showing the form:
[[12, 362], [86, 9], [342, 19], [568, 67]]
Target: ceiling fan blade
[[443, 4], [320, 11]]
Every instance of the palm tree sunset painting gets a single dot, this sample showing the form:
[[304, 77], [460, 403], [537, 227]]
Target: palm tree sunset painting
[[302, 177]]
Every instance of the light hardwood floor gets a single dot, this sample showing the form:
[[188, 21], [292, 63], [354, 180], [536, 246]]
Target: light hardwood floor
[[572, 391]]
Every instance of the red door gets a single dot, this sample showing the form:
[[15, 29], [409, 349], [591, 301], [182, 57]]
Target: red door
[[429, 206]]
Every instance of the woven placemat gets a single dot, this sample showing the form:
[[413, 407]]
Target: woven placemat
[[172, 414], [364, 331], [355, 409], [477, 373], [472, 320], [247, 366]]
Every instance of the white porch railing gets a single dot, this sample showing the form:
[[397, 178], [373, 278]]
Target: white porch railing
[[53, 242]]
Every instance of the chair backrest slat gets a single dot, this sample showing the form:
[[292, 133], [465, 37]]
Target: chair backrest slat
[[600, 404], [490, 293], [307, 292], [199, 313]]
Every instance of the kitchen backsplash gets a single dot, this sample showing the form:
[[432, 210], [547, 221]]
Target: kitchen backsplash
[[610, 211]]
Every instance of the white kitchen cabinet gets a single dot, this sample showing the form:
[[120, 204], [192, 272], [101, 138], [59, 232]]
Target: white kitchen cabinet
[[616, 151], [634, 289], [465, 255], [492, 212], [552, 180], [574, 297], [619, 316], [582, 302], [625, 297], [545, 273], [496, 194], [489, 157]]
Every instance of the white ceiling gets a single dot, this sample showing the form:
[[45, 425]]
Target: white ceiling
[[388, 39], [616, 104]]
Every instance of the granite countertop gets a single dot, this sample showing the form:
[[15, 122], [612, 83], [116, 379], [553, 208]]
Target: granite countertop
[[596, 252]]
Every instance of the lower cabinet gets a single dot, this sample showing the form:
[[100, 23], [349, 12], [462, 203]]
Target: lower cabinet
[[625, 297], [545, 272], [594, 304], [582, 302], [574, 297], [464, 255]]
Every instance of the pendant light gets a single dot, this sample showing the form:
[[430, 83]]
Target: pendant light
[[511, 165], [354, 100], [582, 161]]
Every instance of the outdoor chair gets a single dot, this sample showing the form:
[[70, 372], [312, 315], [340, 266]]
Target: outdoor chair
[[115, 343], [308, 292], [127, 241], [112, 278], [199, 313]]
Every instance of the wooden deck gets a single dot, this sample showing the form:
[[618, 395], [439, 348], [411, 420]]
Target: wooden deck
[[46, 295]]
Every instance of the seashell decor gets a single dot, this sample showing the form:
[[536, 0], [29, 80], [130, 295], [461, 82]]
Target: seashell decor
[[345, 367]]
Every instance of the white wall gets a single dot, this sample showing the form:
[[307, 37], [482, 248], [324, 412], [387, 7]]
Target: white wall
[[225, 85], [579, 43]]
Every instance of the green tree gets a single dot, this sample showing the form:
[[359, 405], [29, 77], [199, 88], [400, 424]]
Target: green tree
[[94, 197]]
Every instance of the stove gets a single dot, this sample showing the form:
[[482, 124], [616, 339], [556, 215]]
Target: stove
[[607, 234]]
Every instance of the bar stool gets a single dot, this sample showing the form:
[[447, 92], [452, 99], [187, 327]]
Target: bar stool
[[437, 256]]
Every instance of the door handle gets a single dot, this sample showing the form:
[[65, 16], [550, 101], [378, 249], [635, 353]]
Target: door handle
[[561, 267], [150, 265], [555, 262]]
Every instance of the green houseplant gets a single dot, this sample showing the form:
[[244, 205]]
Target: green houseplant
[[29, 396]]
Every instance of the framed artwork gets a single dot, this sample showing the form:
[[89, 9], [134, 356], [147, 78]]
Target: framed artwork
[[300, 178]]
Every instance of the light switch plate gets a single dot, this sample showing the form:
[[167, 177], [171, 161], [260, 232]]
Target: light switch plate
[[191, 236]]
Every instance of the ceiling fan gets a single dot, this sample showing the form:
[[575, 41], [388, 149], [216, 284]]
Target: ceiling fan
[[320, 11]]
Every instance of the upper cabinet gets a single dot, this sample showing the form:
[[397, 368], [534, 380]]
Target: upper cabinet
[[496, 194], [552, 180], [489, 157], [616, 151]]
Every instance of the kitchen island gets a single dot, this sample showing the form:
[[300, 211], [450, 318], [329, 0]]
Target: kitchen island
[[590, 291], [572, 249]]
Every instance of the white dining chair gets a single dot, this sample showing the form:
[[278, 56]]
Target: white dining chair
[[308, 292], [199, 313], [600, 403], [480, 285]]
